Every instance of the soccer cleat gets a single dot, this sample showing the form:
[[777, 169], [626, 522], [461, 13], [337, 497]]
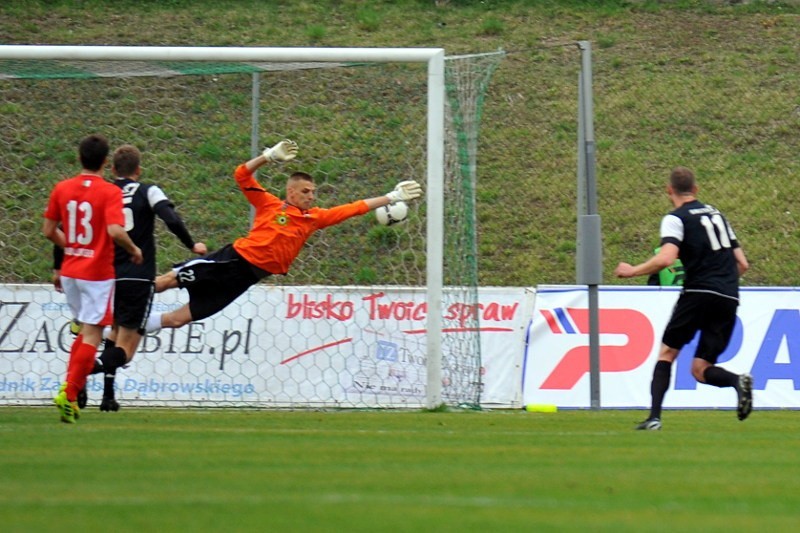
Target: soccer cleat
[[69, 410], [63, 388], [109, 404], [651, 424], [744, 389]]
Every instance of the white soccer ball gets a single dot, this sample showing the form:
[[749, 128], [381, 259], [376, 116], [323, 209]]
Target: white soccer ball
[[391, 214]]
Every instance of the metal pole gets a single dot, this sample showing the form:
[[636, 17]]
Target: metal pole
[[255, 98], [255, 142], [589, 256]]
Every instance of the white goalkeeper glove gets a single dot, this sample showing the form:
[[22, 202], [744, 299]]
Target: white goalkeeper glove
[[405, 190], [286, 150]]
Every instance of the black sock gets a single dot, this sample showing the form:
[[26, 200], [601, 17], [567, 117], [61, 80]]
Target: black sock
[[114, 359], [108, 383], [99, 367], [719, 377], [659, 386], [108, 347]]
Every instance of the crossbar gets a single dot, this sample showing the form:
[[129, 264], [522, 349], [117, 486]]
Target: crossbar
[[203, 53]]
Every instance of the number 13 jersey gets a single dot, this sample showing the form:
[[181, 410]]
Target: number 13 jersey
[[86, 205]]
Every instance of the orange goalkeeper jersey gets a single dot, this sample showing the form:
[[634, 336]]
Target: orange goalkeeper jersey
[[280, 230]]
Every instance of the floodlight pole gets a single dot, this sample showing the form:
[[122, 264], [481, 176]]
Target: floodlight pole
[[589, 243]]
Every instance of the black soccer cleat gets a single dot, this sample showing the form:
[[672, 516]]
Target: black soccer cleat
[[109, 404], [744, 389], [651, 424]]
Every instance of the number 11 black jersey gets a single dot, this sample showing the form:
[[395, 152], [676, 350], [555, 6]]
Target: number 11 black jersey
[[706, 242]]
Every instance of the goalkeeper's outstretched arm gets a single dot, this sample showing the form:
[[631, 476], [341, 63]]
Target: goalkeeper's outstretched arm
[[284, 151], [405, 191]]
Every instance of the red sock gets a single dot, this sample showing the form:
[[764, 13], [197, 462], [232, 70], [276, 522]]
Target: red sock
[[81, 361], [70, 364]]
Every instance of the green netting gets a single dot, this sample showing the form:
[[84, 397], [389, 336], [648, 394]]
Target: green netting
[[466, 81], [64, 69], [361, 128]]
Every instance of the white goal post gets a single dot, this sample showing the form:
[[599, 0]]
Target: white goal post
[[435, 60]]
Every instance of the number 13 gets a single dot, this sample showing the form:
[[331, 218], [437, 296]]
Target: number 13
[[84, 210]]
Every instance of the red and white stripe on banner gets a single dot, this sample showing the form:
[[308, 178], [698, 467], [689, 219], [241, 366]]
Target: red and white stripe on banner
[[765, 342]]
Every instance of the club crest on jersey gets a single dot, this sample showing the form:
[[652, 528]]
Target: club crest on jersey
[[281, 219]]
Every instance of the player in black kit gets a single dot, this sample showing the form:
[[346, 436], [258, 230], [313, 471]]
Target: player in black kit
[[702, 238], [133, 293]]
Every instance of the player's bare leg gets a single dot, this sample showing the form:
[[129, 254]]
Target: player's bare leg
[[177, 318], [167, 281], [173, 319]]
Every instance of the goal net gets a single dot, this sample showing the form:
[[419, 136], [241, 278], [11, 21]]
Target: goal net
[[351, 325]]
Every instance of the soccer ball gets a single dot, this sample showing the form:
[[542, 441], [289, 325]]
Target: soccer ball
[[391, 214]]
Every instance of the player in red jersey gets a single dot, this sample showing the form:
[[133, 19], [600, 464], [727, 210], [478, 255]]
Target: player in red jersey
[[89, 210]]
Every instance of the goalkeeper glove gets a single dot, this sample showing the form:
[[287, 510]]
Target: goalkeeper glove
[[285, 150], [405, 190]]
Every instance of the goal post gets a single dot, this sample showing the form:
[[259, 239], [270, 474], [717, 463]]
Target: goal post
[[435, 229], [440, 104]]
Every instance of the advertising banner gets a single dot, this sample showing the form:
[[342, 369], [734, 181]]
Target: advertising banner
[[277, 346], [765, 343]]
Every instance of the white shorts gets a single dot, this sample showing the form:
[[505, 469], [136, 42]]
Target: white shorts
[[89, 301]]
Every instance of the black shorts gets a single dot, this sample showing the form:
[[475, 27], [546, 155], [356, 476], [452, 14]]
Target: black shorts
[[713, 315], [133, 299], [215, 280]]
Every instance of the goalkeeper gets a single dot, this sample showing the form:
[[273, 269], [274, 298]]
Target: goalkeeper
[[279, 231]]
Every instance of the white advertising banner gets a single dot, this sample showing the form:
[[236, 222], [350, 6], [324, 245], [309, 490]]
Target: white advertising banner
[[280, 346], [765, 342]]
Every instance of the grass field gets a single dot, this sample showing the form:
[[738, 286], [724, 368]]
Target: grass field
[[710, 84], [239, 470]]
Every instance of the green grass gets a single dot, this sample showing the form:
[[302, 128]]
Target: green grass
[[702, 83], [238, 470]]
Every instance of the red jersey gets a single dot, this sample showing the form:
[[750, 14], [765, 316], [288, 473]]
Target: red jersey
[[86, 205], [280, 230]]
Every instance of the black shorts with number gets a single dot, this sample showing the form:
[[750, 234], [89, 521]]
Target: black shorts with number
[[133, 299], [712, 314], [215, 280]]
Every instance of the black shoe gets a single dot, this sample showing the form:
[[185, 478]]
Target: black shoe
[[83, 398], [109, 404], [744, 389], [651, 424]]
